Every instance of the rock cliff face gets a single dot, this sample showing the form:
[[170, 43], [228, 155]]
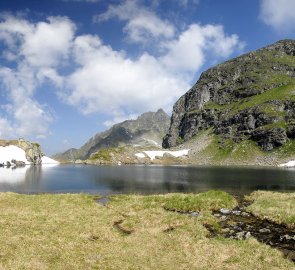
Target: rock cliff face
[[251, 97], [147, 130]]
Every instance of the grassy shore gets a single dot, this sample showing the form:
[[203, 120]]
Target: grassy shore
[[130, 232], [274, 206]]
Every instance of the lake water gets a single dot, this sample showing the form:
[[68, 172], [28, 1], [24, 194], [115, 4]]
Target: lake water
[[143, 179]]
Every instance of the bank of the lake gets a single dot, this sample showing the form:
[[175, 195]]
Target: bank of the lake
[[76, 231]]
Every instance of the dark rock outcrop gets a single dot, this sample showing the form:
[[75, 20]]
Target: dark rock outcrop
[[249, 97]]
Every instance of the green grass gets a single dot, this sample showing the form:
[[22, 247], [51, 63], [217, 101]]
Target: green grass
[[285, 92], [106, 153], [73, 232], [228, 151], [286, 150], [211, 200], [274, 206]]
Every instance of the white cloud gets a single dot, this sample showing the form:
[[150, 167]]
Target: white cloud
[[36, 50], [101, 80], [118, 117], [279, 14], [6, 129], [142, 24], [107, 81]]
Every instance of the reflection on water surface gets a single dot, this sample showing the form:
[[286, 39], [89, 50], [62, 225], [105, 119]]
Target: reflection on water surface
[[143, 179]]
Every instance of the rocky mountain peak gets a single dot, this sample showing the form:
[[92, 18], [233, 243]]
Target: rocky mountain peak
[[248, 97]]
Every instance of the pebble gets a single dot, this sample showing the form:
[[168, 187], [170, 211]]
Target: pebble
[[245, 214], [223, 218], [287, 237], [225, 211], [237, 213], [195, 214], [243, 235], [264, 230], [247, 235]]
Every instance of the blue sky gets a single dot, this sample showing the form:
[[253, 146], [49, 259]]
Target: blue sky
[[72, 68]]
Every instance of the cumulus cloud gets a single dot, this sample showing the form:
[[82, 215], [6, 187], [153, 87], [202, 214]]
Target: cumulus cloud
[[142, 24], [36, 50], [108, 81], [101, 79], [279, 14]]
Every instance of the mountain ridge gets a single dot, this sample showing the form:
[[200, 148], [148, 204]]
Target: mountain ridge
[[147, 130]]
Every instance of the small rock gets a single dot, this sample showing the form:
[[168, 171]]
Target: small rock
[[225, 211], [247, 235], [217, 215], [223, 218], [264, 230], [237, 213], [240, 235], [245, 214], [195, 214], [287, 237]]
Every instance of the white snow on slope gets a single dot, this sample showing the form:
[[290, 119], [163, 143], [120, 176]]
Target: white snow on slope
[[140, 155], [48, 160], [153, 154], [291, 163], [7, 153]]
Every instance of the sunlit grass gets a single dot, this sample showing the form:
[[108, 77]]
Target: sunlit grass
[[74, 232], [275, 206]]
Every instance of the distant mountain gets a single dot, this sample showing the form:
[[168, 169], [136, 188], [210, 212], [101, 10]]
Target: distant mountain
[[147, 130]]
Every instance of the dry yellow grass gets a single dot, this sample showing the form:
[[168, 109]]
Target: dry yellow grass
[[74, 232], [276, 206]]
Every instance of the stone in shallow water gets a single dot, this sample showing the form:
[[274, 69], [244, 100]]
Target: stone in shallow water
[[247, 235], [245, 214], [243, 235], [225, 211], [287, 237], [264, 230], [237, 213]]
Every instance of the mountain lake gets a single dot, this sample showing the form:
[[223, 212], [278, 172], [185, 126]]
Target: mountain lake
[[105, 180]]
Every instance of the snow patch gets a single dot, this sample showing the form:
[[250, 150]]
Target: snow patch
[[291, 163], [153, 154], [7, 153], [140, 155], [49, 161]]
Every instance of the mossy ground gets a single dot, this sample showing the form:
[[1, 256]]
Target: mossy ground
[[74, 232]]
